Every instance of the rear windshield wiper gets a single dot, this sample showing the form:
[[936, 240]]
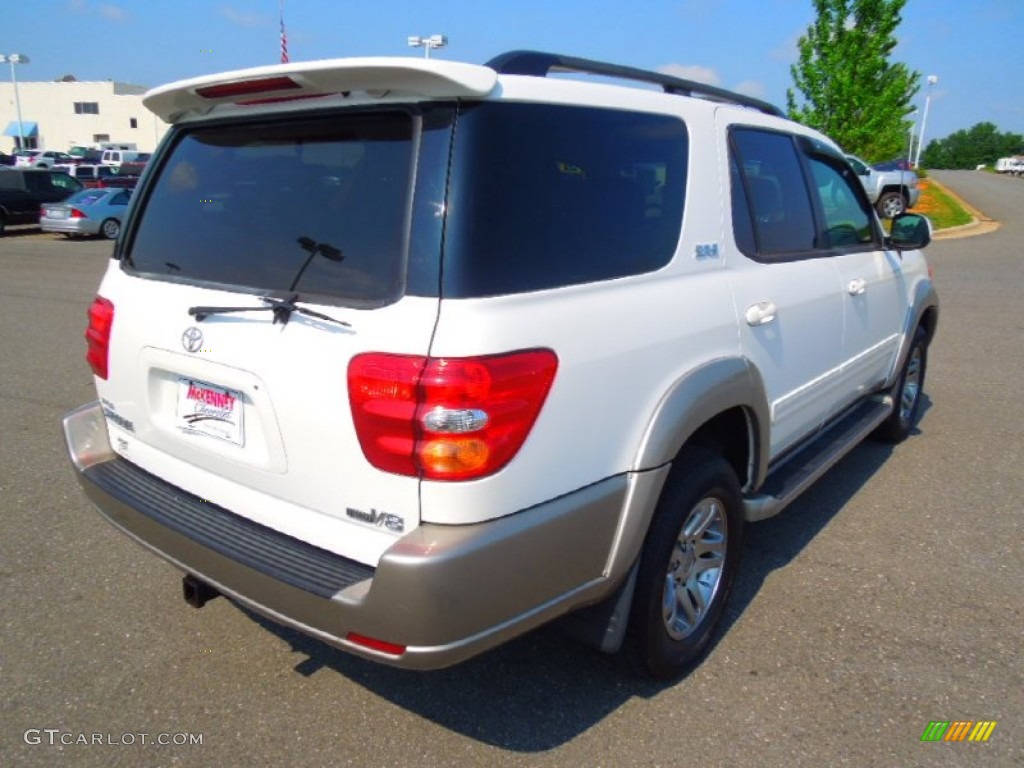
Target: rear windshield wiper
[[282, 309]]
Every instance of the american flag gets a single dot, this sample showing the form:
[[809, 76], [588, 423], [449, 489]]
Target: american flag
[[284, 38]]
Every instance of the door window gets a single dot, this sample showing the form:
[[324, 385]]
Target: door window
[[846, 219], [775, 193]]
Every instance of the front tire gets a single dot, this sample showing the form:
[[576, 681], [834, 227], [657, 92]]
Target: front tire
[[907, 394], [687, 565]]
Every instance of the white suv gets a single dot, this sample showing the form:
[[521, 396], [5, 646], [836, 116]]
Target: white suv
[[416, 355]]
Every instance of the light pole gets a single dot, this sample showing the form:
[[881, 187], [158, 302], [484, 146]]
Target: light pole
[[434, 41], [16, 58], [932, 80], [910, 147]]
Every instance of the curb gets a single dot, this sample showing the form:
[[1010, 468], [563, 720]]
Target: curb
[[980, 224]]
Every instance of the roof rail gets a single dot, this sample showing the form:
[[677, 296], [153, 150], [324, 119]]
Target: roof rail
[[539, 64]]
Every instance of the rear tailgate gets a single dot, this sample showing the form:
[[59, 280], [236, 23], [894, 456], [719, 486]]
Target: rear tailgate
[[337, 212], [254, 416]]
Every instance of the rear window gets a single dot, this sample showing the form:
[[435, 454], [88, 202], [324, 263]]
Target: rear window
[[87, 196], [317, 205], [544, 196]]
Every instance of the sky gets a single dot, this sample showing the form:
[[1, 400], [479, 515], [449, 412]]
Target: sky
[[974, 47]]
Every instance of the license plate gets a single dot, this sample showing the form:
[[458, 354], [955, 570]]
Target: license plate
[[57, 213], [209, 410]]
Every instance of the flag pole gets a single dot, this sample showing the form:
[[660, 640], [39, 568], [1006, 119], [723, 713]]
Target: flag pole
[[284, 37]]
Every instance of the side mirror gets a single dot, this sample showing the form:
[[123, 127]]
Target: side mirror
[[910, 232]]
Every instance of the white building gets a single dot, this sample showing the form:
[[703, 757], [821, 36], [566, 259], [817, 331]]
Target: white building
[[60, 115]]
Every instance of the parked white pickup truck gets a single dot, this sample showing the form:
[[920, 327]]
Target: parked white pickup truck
[[891, 192]]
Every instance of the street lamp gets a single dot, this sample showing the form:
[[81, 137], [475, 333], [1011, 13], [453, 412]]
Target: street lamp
[[910, 147], [932, 80], [16, 58], [434, 41]]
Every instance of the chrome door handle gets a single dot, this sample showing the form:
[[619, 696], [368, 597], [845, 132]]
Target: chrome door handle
[[857, 287], [762, 313]]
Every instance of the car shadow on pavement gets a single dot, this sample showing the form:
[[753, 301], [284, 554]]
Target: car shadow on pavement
[[545, 689]]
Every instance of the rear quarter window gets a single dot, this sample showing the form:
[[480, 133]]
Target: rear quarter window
[[544, 196]]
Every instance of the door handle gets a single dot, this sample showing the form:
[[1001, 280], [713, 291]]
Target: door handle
[[762, 313], [857, 286]]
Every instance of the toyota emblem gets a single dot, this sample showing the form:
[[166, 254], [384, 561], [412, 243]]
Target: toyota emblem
[[192, 339]]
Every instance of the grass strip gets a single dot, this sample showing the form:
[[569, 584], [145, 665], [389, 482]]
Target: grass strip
[[940, 207]]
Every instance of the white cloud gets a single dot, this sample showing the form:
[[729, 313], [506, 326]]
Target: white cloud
[[788, 51], [242, 19], [695, 72], [108, 11], [113, 12], [751, 88]]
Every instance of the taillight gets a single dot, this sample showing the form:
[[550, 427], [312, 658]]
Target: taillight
[[97, 335], [77, 214], [447, 418]]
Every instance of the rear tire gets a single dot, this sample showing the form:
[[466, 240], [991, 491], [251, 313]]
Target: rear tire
[[687, 565], [110, 229]]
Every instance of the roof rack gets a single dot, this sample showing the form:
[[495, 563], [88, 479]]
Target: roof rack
[[539, 64]]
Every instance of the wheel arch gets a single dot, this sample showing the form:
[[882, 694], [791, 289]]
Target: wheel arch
[[923, 313], [900, 188], [929, 320], [720, 405]]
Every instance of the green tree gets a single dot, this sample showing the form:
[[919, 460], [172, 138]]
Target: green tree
[[967, 149], [851, 90]]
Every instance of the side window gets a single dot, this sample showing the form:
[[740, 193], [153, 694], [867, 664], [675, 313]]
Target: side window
[[847, 222], [64, 181], [546, 196], [38, 182], [859, 168], [775, 193]]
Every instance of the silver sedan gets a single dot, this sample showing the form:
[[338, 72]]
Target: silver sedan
[[89, 212]]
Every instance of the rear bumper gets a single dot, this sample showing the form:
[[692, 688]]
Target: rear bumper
[[444, 592], [70, 226]]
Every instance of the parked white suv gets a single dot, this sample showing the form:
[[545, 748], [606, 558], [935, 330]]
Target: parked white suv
[[415, 356]]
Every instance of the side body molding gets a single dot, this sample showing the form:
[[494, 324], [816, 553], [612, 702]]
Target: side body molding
[[713, 388]]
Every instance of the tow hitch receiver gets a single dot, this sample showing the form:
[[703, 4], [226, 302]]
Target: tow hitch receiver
[[197, 593]]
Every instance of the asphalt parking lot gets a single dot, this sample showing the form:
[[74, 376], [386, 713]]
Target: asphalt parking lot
[[887, 597]]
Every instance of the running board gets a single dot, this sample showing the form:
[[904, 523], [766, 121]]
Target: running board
[[811, 462]]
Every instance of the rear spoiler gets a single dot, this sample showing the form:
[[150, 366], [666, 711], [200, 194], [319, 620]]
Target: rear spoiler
[[285, 82]]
